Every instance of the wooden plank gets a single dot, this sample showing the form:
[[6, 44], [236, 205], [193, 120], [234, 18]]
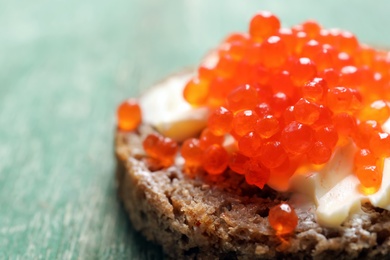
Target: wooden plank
[[65, 65]]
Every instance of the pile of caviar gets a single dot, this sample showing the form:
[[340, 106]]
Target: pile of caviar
[[289, 97]]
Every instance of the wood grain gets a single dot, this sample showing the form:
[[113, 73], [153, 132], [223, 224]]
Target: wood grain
[[64, 66]]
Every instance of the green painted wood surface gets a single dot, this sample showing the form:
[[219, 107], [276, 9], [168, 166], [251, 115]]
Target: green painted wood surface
[[65, 65]]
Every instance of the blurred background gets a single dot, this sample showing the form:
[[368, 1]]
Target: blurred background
[[64, 67]]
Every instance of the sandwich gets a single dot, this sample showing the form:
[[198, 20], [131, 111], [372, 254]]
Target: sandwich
[[277, 146]]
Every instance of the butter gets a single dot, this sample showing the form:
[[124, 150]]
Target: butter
[[335, 189], [164, 107], [339, 202]]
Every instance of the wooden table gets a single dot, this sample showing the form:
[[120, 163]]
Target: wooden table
[[65, 65]]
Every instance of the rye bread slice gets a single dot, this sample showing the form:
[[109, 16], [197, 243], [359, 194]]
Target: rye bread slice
[[209, 217]]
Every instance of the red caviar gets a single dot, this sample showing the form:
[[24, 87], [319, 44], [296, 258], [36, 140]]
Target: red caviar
[[302, 71], [196, 91], [339, 99], [288, 97], [272, 154], [249, 144], [160, 148], [273, 52], [244, 122], [378, 110], [369, 176], [364, 157], [283, 219], [267, 126], [256, 173], [319, 153], [207, 138], [192, 153], [129, 115], [297, 138], [238, 162], [263, 25], [380, 144], [220, 121], [315, 89], [306, 112], [327, 135], [241, 98], [215, 159]]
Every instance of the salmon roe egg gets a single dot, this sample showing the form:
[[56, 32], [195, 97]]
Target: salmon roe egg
[[238, 162], [312, 28], [273, 52], [327, 135], [288, 115], [241, 98], [236, 37], [220, 121], [218, 90], [283, 219], [300, 39], [151, 144], [281, 82], [306, 112], [192, 153], [267, 126], [244, 122], [324, 59], [331, 76], [380, 144], [347, 42], [205, 73], [256, 173], [311, 49], [207, 138], [280, 101], [339, 99], [319, 153], [263, 25], [344, 123], [263, 109], [297, 138], [377, 110], [129, 115], [370, 177], [350, 76], [196, 92], [167, 151], [302, 71], [161, 148], [315, 89], [288, 37], [364, 157], [343, 59], [365, 130], [249, 144], [325, 117], [272, 154], [281, 174], [215, 159], [226, 66], [237, 50]]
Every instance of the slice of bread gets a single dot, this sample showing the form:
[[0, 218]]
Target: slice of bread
[[209, 217]]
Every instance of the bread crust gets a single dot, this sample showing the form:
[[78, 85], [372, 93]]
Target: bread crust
[[209, 217]]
